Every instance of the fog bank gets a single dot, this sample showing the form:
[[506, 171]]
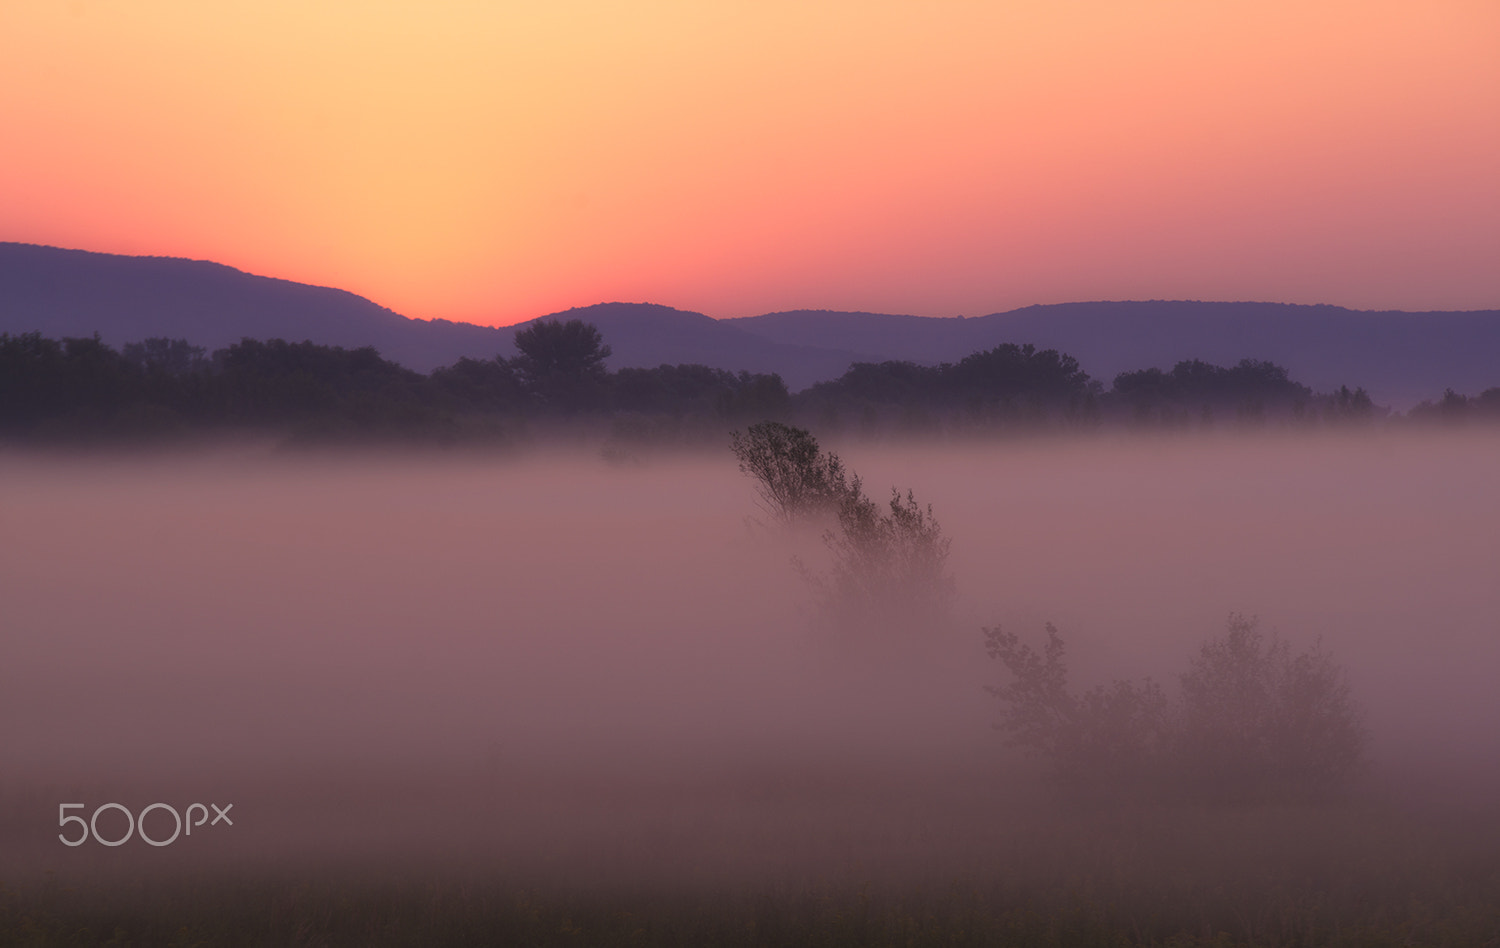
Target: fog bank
[[569, 663]]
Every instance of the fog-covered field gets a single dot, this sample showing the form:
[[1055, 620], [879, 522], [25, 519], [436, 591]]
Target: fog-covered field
[[552, 671]]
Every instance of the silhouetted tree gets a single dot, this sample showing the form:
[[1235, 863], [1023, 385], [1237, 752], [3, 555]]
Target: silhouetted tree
[[1452, 410], [563, 362], [1045, 377], [1251, 389], [1487, 404], [76, 386], [684, 390], [1350, 407], [322, 391], [794, 477], [175, 357], [889, 569], [481, 385], [1007, 386], [755, 395]]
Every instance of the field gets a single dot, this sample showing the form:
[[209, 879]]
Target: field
[[549, 698]]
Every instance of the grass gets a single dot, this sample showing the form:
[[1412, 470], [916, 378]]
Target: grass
[[1124, 876], [371, 915]]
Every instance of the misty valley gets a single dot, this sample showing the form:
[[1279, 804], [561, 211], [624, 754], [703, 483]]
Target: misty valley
[[1183, 688], [764, 475]]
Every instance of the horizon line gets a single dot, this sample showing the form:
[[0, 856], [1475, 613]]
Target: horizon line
[[783, 312]]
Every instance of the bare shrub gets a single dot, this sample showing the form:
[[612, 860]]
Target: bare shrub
[[1257, 719], [890, 563], [794, 477], [890, 568], [1109, 735], [1252, 721]]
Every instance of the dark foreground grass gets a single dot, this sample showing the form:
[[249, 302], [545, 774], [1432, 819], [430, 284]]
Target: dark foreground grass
[[329, 915], [1373, 873], [1461, 912]]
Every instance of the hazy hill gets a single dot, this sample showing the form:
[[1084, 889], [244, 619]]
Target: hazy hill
[[125, 299], [1399, 357]]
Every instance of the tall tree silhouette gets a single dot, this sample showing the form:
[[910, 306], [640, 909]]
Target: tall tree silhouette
[[563, 362]]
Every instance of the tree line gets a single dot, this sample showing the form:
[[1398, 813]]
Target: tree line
[[74, 388], [83, 388]]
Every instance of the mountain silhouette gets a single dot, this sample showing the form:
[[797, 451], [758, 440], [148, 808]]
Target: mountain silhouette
[[126, 299], [1399, 357]]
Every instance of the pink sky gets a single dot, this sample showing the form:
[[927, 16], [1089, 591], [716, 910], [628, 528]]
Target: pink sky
[[494, 161]]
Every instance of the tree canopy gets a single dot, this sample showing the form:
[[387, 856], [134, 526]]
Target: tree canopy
[[82, 388], [552, 348]]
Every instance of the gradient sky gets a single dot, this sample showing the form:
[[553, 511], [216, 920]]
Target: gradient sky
[[492, 162]]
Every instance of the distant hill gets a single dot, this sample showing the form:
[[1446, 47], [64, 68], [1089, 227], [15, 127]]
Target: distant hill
[[1399, 357], [125, 299]]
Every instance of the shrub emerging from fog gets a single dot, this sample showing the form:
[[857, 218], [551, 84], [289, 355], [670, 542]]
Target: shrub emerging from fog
[[889, 569], [1252, 720], [1255, 713], [794, 477], [1102, 735], [890, 562]]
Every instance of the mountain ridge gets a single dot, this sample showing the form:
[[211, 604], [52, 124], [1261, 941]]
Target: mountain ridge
[[1400, 357]]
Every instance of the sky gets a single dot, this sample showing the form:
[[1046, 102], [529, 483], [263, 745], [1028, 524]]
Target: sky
[[495, 161]]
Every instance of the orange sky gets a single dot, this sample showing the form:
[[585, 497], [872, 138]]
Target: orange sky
[[494, 161]]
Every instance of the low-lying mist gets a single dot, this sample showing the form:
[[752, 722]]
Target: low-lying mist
[[569, 671]]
